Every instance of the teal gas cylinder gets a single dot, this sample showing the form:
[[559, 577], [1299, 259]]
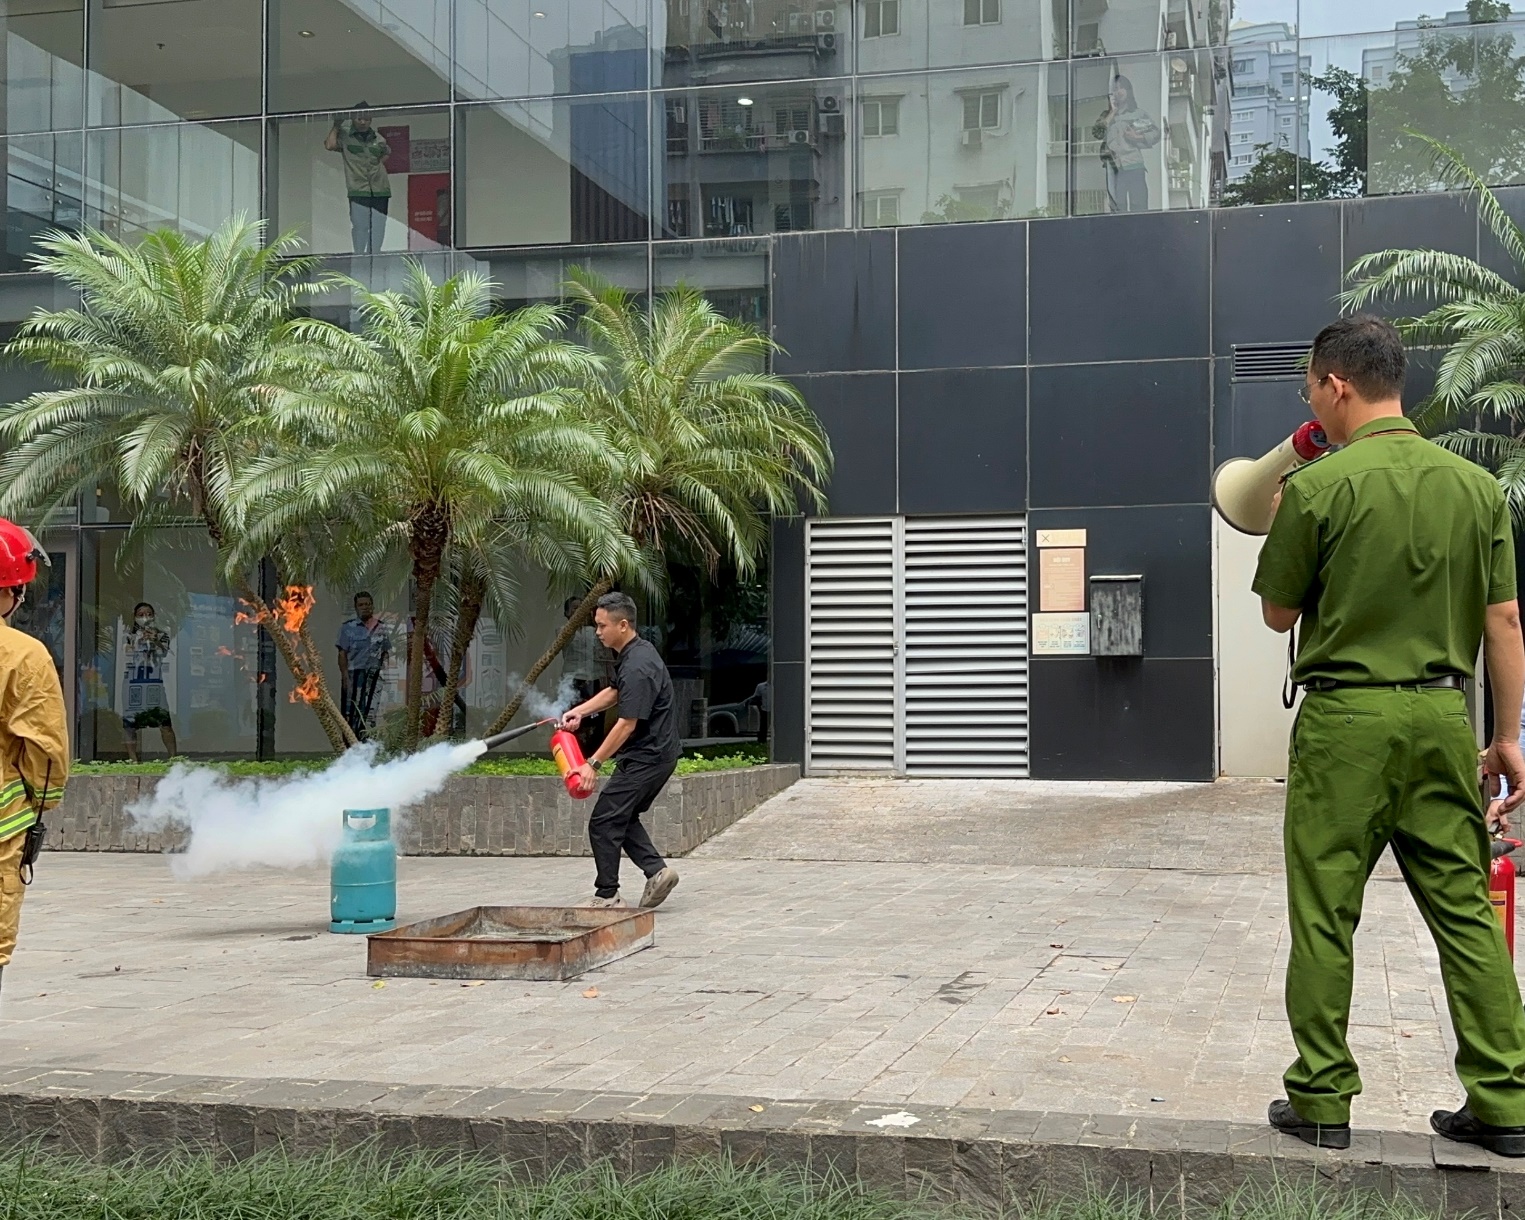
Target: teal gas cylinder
[[363, 877]]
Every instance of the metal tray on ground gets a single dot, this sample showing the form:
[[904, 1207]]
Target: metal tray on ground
[[543, 944]]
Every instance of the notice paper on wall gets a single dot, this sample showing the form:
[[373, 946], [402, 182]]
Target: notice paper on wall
[[1062, 580], [1061, 635]]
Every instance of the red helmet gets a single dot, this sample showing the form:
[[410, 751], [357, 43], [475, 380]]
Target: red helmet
[[19, 553]]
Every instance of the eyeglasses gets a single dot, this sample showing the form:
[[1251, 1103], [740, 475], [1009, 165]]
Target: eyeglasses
[[1305, 391]]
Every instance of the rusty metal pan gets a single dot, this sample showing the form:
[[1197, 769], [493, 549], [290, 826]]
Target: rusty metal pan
[[534, 943]]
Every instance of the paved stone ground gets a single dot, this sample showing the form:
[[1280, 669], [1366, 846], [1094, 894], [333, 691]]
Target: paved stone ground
[[1034, 947]]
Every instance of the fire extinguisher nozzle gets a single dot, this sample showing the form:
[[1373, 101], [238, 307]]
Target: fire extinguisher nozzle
[[498, 739]]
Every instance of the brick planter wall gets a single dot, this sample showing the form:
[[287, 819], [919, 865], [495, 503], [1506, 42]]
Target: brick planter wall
[[473, 815]]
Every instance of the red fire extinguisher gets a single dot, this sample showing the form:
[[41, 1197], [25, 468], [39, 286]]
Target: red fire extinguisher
[[568, 756], [1501, 886]]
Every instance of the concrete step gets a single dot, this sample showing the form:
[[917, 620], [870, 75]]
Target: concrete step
[[975, 1157]]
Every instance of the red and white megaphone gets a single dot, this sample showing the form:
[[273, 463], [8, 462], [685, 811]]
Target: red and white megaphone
[[1244, 489]]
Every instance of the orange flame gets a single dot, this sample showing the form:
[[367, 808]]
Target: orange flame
[[306, 691], [290, 613], [295, 606]]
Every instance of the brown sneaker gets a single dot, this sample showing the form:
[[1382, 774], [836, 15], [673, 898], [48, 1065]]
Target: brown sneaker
[[658, 887]]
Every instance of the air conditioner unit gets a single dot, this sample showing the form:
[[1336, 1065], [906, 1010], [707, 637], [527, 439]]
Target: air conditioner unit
[[799, 137], [826, 19], [973, 138], [825, 44], [829, 104]]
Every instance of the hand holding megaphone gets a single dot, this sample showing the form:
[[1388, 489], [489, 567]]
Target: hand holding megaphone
[[1247, 491]]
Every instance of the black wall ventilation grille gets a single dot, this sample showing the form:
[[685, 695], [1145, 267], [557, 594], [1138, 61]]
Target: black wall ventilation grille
[[1267, 360]]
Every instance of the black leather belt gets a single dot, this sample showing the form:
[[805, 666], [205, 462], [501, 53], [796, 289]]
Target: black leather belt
[[1449, 682]]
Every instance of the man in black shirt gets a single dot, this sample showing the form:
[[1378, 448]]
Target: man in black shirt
[[645, 737]]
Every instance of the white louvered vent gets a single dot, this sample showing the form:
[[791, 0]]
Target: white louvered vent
[[1266, 360], [852, 643], [966, 647]]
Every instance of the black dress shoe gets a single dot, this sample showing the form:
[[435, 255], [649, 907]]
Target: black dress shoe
[[1466, 1128], [1321, 1135]]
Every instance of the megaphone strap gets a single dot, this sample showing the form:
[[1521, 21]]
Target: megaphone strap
[[1288, 688]]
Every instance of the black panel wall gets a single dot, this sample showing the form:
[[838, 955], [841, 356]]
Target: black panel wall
[[1079, 371]]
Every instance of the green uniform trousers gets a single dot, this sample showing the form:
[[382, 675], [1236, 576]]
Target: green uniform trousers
[[1368, 768]]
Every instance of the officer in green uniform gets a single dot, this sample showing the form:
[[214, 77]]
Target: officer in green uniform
[[1398, 556]]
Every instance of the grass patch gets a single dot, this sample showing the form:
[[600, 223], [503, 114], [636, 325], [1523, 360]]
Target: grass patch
[[695, 762], [361, 1185]]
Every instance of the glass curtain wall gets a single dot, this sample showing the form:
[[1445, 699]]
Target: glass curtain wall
[[413, 126], [656, 142]]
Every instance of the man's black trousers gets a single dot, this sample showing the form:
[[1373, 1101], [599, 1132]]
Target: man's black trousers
[[616, 823]]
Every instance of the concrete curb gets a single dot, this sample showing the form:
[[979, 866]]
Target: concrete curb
[[980, 1158], [473, 815]]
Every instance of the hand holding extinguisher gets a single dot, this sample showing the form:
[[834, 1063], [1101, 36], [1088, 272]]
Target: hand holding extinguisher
[[576, 772]]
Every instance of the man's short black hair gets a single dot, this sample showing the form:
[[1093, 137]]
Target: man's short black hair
[[618, 605], [1366, 351], [141, 606], [365, 595]]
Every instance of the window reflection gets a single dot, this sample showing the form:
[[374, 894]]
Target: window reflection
[[954, 146], [186, 177], [1464, 86], [191, 59], [733, 275], [44, 50], [555, 171], [748, 160], [42, 191], [1322, 18], [1149, 132], [896, 35], [543, 48], [1108, 27], [363, 181], [164, 666], [525, 277], [330, 54], [707, 42], [1269, 80]]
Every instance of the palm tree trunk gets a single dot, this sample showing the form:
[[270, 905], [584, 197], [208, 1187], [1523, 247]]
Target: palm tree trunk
[[468, 614], [429, 533], [579, 619], [301, 665], [340, 735]]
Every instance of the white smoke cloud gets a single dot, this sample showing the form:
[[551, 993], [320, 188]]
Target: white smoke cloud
[[541, 706], [290, 822]]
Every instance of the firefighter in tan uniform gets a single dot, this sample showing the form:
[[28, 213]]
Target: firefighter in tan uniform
[[34, 734]]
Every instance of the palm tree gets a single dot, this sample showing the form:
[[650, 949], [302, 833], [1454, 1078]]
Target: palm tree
[[443, 424], [177, 346], [1479, 318], [710, 447]]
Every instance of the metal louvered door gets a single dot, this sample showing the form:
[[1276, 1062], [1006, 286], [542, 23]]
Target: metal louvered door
[[966, 647], [916, 648], [852, 646]]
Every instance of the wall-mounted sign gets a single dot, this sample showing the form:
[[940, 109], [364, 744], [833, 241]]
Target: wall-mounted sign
[[1047, 538], [1062, 579], [1061, 635]]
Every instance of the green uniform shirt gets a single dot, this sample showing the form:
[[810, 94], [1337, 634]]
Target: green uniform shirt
[[1393, 548], [365, 171]]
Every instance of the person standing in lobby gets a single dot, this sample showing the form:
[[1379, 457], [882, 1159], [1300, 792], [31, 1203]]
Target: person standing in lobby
[[365, 155]]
